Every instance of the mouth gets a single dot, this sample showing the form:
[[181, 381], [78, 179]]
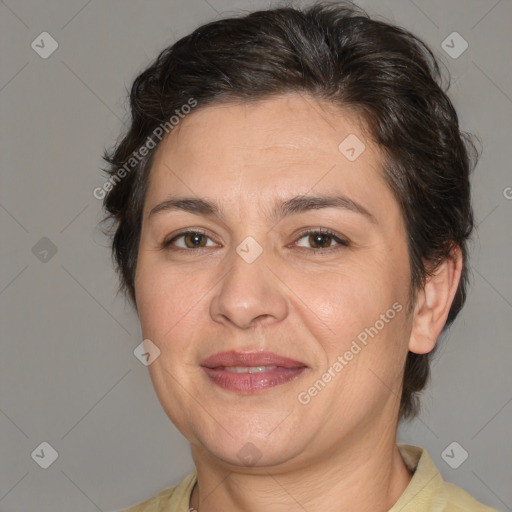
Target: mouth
[[251, 372]]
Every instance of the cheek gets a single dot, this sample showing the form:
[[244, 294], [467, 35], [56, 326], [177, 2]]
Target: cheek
[[362, 301], [165, 298], [347, 297]]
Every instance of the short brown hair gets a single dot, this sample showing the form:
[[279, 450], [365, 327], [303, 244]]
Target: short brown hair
[[338, 54]]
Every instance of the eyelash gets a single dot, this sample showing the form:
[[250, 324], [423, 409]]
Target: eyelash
[[340, 241]]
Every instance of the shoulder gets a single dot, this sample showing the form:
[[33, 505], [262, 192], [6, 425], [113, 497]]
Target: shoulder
[[173, 499], [428, 492], [155, 503], [458, 500]]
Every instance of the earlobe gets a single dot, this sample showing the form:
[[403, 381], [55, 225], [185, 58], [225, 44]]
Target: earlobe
[[433, 303]]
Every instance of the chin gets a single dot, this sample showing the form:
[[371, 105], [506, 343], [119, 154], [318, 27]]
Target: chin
[[252, 454], [243, 444]]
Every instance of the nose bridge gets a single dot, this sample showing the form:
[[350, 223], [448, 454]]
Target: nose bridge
[[249, 291]]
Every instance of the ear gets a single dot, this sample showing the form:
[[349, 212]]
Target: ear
[[433, 303]]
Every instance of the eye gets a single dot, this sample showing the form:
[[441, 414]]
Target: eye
[[317, 239], [321, 239], [188, 240]]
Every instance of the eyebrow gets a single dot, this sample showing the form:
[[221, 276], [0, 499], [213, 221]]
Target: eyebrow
[[292, 206]]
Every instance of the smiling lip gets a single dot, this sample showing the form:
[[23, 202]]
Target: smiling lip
[[251, 372]]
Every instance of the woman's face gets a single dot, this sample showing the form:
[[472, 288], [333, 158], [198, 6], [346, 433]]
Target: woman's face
[[257, 272]]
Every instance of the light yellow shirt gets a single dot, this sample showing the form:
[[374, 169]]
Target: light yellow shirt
[[426, 492]]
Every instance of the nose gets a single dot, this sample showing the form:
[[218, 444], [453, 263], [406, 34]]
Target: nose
[[248, 295]]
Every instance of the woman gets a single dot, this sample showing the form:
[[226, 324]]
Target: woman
[[291, 209]]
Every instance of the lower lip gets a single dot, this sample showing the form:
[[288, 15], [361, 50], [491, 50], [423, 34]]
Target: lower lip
[[249, 383]]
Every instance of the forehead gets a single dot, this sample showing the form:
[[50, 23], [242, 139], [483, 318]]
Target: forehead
[[289, 124], [266, 149]]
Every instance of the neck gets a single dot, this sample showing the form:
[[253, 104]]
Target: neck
[[364, 477]]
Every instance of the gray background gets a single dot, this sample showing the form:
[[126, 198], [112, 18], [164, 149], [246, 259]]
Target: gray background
[[68, 375]]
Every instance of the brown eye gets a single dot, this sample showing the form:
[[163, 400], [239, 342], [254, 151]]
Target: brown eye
[[321, 240], [188, 240], [193, 240]]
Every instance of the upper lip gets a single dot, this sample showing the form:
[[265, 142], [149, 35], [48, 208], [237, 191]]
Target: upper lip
[[246, 359]]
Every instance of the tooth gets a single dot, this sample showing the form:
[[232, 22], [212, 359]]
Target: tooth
[[237, 369], [249, 369], [257, 369]]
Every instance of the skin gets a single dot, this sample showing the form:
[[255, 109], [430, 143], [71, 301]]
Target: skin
[[339, 451]]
